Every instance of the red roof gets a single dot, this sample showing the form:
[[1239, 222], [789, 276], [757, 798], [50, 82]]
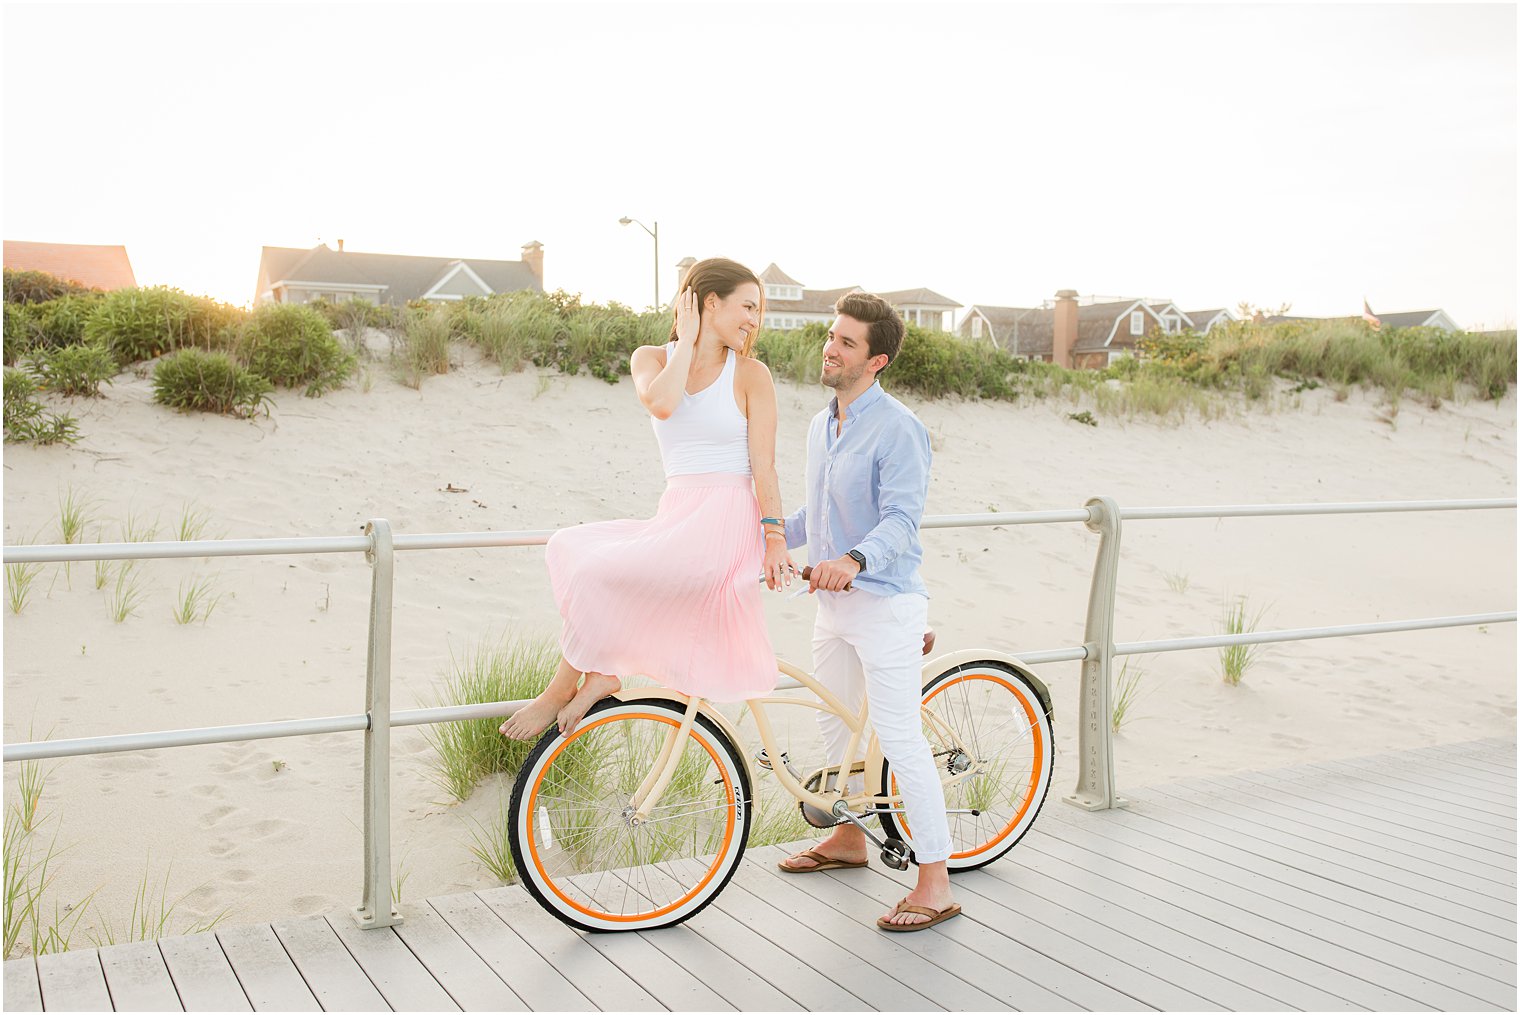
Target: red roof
[[88, 264]]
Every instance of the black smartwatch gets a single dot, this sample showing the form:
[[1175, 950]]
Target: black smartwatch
[[859, 558]]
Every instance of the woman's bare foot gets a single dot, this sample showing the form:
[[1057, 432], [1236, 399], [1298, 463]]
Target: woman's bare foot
[[596, 687], [535, 717]]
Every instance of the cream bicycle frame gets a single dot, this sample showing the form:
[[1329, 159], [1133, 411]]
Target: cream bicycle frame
[[647, 797]]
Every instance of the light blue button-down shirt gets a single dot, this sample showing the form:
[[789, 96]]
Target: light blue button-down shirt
[[866, 489]]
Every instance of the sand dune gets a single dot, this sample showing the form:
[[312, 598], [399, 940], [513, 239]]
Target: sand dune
[[273, 828]]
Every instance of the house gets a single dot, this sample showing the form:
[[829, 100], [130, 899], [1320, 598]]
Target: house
[[788, 306], [1072, 335], [292, 275], [1204, 321], [1405, 319], [96, 267]]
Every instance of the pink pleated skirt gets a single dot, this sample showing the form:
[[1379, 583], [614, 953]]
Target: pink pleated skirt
[[675, 598]]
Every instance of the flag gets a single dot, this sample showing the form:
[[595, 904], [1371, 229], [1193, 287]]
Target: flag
[[1370, 317]]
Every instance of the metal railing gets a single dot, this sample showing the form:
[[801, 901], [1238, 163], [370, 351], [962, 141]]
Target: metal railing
[[1095, 784]]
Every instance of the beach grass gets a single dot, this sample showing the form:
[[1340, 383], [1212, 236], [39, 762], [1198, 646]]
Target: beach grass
[[151, 914], [127, 593], [1236, 660], [425, 349], [192, 522], [467, 751], [18, 584], [197, 598], [1126, 693], [30, 874], [1176, 581], [489, 841]]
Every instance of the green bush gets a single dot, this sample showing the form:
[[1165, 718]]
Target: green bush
[[39, 287], [425, 346], [25, 418], [208, 382], [61, 322], [139, 324], [73, 369], [19, 337], [348, 315], [290, 345]]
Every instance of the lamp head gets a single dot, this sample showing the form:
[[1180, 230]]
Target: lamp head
[[625, 220]]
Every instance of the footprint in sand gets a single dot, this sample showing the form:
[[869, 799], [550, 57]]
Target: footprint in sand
[[310, 905], [217, 815], [222, 847], [210, 791], [239, 877], [268, 828]]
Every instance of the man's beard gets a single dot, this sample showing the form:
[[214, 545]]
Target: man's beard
[[842, 379]]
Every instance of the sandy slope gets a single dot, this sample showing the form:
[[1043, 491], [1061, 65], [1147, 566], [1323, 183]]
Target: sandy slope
[[273, 828]]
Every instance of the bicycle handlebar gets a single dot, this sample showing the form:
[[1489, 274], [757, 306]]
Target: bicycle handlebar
[[807, 572]]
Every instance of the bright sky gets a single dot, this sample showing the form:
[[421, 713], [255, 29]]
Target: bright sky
[[995, 153]]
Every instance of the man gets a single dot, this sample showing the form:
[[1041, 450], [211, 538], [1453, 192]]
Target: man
[[867, 478]]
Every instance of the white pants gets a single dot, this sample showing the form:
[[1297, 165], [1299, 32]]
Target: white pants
[[864, 643]]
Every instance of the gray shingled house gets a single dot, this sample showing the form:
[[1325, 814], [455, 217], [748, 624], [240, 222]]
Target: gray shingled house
[[291, 275], [788, 306]]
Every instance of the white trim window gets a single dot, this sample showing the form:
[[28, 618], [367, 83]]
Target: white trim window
[[1137, 322], [976, 326]]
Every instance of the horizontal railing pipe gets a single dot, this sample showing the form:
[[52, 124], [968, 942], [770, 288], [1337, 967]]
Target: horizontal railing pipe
[[1307, 634], [43, 749], [167, 549], [1275, 510]]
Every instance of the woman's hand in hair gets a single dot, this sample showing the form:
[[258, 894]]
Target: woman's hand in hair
[[688, 318]]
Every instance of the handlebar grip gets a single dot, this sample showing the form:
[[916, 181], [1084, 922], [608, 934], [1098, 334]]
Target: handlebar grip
[[807, 572]]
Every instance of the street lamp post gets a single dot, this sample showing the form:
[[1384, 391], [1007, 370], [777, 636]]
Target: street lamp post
[[655, 232]]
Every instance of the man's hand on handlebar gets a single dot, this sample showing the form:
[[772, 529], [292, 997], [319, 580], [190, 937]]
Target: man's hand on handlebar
[[833, 575]]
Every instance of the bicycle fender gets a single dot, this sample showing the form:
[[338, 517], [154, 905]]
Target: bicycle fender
[[950, 660], [706, 708]]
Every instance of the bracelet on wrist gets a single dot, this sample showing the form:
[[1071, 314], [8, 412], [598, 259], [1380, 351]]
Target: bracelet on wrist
[[781, 535], [772, 521]]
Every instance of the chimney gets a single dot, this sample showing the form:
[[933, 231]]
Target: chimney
[[1064, 338], [533, 257], [340, 246], [682, 267]]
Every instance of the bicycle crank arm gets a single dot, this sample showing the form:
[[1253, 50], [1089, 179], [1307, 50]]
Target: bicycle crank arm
[[894, 852], [948, 810]]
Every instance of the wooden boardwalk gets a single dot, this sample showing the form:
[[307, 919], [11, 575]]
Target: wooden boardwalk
[[1381, 883]]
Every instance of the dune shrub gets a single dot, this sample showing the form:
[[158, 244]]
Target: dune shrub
[[289, 345], [194, 379], [425, 343], [23, 287], [19, 337], [60, 323], [139, 324], [25, 418], [73, 369]]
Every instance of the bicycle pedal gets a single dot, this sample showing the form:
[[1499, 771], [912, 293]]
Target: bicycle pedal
[[763, 760]]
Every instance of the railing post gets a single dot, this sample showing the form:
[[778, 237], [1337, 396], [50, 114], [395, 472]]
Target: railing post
[[1095, 782], [377, 909]]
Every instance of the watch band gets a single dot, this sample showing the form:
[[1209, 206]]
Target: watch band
[[859, 558]]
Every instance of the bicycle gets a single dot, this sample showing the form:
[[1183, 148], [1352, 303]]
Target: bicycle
[[639, 817]]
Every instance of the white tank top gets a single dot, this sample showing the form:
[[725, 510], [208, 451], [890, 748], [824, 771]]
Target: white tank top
[[707, 432]]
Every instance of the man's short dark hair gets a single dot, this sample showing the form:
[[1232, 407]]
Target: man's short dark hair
[[885, 328]]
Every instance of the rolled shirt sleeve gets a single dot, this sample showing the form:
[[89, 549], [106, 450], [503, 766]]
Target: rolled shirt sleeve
[[903, 464]]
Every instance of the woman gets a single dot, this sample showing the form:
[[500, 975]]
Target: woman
[[675, 597]]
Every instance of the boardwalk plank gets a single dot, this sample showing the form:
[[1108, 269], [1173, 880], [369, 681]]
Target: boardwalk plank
[[601, 981], [1019, 977], [1362, 797], [1417, 844], [73, 981], [23, 992], [738, 983], [1341, 938], [1484, 908], [334, 976], [1438, 782], [137, 978], [527, 973], [202, 974], [921, 962], [392, 967], [846, 976], [1326, 889], [265, 970], [1248, 961], [1173, 864], [1388, 791]]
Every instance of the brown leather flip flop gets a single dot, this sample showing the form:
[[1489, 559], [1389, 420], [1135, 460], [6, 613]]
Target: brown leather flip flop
[[936, 916], [820, 863]]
